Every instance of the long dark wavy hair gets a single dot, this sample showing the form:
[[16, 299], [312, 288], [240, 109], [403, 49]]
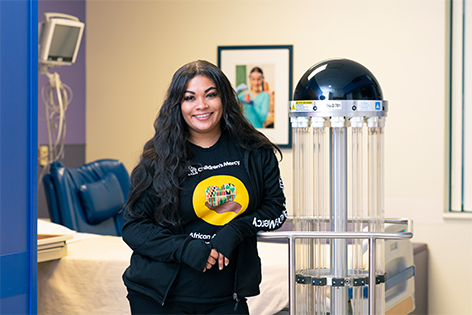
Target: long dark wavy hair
[[164, 163]]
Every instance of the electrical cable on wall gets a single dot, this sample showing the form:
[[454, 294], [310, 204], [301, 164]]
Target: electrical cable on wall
[[56, 97]]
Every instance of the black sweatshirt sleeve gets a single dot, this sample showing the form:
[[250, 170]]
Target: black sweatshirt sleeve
[[159, 243], [268, 216]]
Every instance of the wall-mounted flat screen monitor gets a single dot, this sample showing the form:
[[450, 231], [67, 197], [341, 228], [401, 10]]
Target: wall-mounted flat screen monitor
[[59, 39]]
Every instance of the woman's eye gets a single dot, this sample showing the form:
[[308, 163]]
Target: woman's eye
[[189, 98], [211, 95]]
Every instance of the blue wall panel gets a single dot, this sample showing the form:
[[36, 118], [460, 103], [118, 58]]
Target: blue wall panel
[[14, 126], [15, 274], [18, 156], [18, 304]]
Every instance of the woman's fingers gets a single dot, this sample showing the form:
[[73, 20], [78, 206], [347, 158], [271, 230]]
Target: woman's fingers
[[222, 261], [216, 257], [214, 254], [212, 258]]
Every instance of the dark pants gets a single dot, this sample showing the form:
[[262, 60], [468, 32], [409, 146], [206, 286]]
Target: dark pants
[[143, 304]]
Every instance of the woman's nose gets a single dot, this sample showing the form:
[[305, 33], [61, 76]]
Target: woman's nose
[[201, 103]]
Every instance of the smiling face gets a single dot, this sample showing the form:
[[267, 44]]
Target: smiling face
[[202, 110], [256, 78]]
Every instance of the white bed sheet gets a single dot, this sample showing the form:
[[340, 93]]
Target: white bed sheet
[[88, 280], [274, 286]]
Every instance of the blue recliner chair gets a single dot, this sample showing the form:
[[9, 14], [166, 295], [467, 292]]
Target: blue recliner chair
[[88, 198]]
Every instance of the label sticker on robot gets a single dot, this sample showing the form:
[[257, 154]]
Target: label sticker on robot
[[368, 106], [302, 106], [363, 106]]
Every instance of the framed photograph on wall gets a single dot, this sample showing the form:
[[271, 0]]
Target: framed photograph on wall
[[262, 77]]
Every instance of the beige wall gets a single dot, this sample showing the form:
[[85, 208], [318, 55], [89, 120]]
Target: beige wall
[[134, 47]]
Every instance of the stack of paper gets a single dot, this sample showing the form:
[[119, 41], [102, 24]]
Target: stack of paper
[[52, 246]]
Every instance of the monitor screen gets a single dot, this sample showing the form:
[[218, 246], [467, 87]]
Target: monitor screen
[[59, 39], [63, 43]]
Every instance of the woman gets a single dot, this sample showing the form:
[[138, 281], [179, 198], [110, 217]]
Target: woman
[[255, 100], [205, 184]]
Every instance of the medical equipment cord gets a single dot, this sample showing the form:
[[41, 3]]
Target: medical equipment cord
[[56, 97]]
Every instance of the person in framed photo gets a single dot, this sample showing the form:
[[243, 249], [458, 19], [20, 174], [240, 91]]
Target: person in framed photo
[[256, 100]]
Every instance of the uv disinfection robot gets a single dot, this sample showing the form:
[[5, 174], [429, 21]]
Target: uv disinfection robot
[[337, 258]]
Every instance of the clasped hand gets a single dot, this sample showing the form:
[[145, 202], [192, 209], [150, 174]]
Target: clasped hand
[[216, 257]]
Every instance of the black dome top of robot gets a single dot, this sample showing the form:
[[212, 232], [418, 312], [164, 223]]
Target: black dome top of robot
[[338, 79]]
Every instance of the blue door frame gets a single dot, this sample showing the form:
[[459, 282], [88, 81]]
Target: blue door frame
[[18, 156]]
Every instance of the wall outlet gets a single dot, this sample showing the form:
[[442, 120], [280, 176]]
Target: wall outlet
[[43, 155]]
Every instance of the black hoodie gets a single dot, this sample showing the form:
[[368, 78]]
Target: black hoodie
[[158, 251]]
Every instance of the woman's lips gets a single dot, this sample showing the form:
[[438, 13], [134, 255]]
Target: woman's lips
[[203, 116]]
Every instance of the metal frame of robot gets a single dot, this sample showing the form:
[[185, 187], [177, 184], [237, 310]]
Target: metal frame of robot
[[372, 237]]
